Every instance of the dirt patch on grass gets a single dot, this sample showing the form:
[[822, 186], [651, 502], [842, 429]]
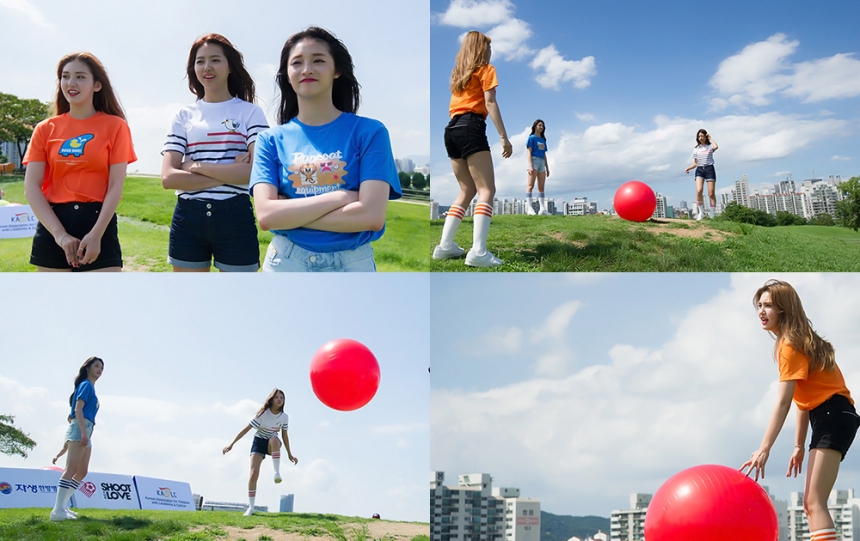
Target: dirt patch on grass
[[687, 229], [378, 529], [129, 264]]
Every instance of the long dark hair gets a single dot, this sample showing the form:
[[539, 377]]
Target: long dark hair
[[239, 81], [707, 137], [534, 128], [345, 94], [82, 375], [104, 100], [269, 400]]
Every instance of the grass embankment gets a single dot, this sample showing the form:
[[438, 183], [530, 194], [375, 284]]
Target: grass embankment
[[610, 244], [101, 524], [146, 209]]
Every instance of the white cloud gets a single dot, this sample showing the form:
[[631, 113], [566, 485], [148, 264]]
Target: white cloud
[[662, 167], [498, 340], [556, 324], [585, 117], [558, 70], [761, 70], [476, 13], [508, 39], [838, 158], [639, 415], [28, 11]]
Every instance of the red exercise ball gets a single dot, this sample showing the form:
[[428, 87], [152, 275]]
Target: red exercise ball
[[344, 374], [635, 201], [711, 503]]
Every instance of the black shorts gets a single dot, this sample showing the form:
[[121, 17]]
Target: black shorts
[[465, 135], [226, 231], [78, 219], [260, 446], [834, 424]]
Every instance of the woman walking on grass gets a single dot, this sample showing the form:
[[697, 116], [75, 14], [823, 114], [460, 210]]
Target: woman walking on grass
[[473, 97], [538, 167]]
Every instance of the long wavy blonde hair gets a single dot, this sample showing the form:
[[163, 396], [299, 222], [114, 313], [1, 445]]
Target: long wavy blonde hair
[[474, 53], [795, 328]]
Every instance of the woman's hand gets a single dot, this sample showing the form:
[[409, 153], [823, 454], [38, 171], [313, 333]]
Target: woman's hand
[[547, 172], [293, 459], [795, 465], [189, 165], [507, 148], [243, 157], [70, 245], [84, 439], [756, 463], [90, 248], [531, 171], [227, 449]]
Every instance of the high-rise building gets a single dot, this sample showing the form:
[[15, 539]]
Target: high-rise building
[[629, 524], [475, 511], [844, 508], [404, 165], [660, 210]]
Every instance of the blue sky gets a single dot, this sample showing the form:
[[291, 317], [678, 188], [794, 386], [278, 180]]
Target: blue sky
[[623, 87], [148, 70], [582, 389], [189, 361]]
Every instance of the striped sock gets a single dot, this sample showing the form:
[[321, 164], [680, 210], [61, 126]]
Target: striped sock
[[827, 534], [65, 489], [452, 222], [276, 461], [483, 215], [252, 495]]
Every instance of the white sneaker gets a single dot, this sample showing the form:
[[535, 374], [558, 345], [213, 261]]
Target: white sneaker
[[277, 477], [59, 516], [453, 252], [530, 210], [248, 512], [699, 213], [71, 514], [543, 213], [486, 260]]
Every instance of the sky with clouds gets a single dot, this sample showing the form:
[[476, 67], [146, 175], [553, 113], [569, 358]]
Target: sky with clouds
[[144, 46], [583, 389], [188, 362], [624, 86]]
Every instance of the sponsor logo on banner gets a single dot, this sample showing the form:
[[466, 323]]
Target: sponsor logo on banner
[[116, 491], [88, 489], [165, 492], [5, 488]]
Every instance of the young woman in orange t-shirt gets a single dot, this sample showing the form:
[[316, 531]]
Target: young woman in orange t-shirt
[[76, 165], [473, 97], [807, 374]]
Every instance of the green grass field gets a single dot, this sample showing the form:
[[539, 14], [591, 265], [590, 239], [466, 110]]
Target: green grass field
[[146, 209], [609, 244], [100, 524]]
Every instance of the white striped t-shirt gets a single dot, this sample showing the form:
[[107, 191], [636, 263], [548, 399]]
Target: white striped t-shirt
[[269, 424], [215, 133], [704, 155]]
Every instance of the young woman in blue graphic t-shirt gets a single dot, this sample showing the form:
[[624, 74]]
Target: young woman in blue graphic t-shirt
[[84, 406], [321, 180], [538, 166]]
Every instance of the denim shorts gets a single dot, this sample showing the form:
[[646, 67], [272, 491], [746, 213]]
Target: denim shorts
[[78, 219], [539, 164], [225, 230], [73, 433], [465, 135], [283, 255], [706, 172], [834, 424], [260, 446]]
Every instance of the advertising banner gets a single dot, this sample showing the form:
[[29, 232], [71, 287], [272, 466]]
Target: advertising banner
[[20, 487], [163, 494], [107, 491], [17, 222]]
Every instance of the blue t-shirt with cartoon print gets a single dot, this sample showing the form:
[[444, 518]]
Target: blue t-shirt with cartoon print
[[304, 161], [538, 146], [87, 393]]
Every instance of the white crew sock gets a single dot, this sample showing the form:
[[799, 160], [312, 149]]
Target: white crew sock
[[483, 215]]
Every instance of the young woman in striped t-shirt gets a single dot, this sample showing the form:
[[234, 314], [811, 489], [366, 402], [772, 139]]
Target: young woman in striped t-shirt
[[703, 162], [269, 420], [207, 160]]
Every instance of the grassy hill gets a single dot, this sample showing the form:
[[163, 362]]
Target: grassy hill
[[609, 244], [100, 524], [146, 209], [563, 527]]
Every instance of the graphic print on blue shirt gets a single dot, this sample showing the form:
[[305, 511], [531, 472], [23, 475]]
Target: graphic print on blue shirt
[[313, 174]]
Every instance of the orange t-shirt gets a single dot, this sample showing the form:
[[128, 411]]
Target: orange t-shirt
[[810, 389], [78, 155], [471, 100]]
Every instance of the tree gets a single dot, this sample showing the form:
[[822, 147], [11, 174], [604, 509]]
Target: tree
[[18, 119], [848, 210], [405, 180], [822, 219], [418, 181], [12, 440], [787, 218]]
